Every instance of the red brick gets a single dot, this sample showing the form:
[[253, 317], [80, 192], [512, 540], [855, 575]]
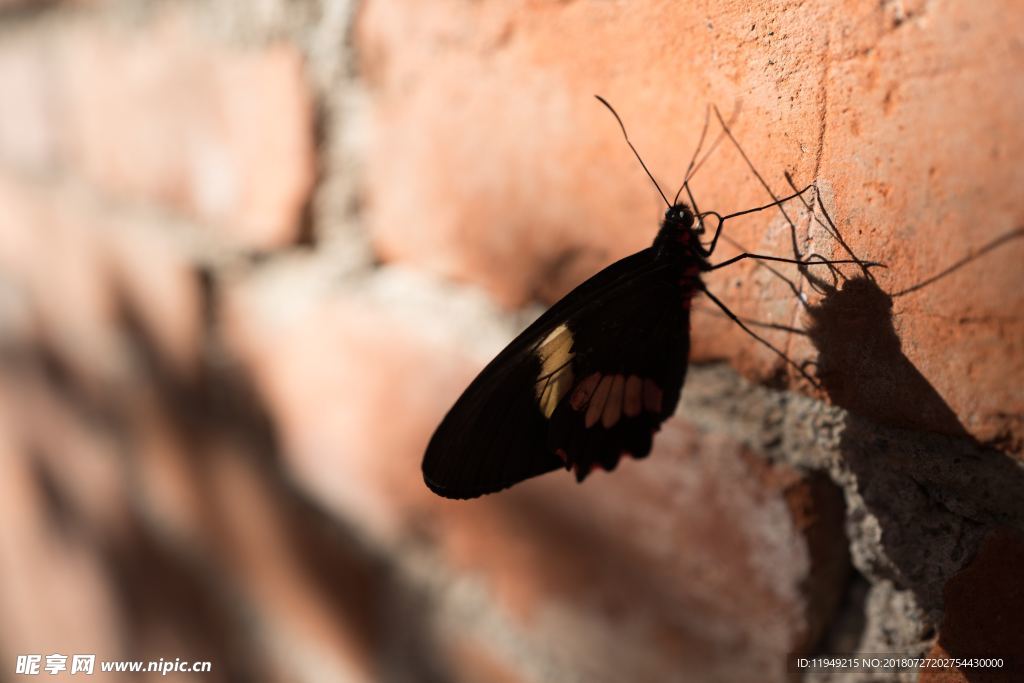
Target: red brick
[[80, 268], [128, 520], [699, 547], [154, 276], [147, 506], [55, 594], [984, 613], [470, 660], [223, 134], [513, 177], [207, 491], [49, 250], [256, 544], [348, 348], [28, 116]]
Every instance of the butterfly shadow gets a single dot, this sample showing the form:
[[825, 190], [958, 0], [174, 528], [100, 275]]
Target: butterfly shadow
[[925, 487], [926, 493], [934, 491]]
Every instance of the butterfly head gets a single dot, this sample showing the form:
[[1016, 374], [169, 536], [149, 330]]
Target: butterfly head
[[679, 217], [678, 226], [680, 232]]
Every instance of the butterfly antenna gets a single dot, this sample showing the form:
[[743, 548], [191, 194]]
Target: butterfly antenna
[[626, 135], [693, 159], [694, 167], [693, 203]]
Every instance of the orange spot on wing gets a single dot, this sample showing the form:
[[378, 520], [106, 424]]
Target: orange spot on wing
[[652, 396], [613, 406], [584, 390], [633, 401], [597, 402]]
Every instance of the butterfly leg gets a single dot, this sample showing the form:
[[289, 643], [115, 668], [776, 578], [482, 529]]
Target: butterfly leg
[[722, 219], [802, 262], [736, 319]]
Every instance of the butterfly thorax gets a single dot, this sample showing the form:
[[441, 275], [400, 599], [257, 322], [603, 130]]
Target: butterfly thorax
[[678, 242]]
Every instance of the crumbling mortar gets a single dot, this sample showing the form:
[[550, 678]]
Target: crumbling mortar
[[911, 518]]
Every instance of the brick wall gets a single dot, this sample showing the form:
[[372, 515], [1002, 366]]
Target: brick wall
[[251, 252]]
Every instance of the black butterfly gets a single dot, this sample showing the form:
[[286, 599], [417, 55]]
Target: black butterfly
[[595, 376]]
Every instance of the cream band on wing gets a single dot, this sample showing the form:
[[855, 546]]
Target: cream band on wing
[[556, 376]]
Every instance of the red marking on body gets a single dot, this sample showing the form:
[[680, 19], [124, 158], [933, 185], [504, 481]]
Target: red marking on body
[[633, 401], [652, 396], [562, 455], [584, 390], [597, 402], [687, 289], [613, 406]]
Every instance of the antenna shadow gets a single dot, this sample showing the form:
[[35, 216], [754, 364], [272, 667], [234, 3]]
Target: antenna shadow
[[924, 494]]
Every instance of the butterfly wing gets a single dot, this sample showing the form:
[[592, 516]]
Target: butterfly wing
[[588, 381]]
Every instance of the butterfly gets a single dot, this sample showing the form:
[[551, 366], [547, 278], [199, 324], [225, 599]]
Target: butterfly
[[594, 377]]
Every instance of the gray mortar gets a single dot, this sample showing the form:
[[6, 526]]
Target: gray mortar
[[918, 504]]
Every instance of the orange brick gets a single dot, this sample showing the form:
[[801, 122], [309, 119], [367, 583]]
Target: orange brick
[[157, 283], [984, 613], [55, 593], [28, 116], [135, 523], [470, 660], [80, 268], [48, 250], [697, 548], [223, 134], [392, 365], [511, 175]]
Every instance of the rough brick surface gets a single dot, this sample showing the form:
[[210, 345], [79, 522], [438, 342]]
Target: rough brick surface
[[194, 549], [700, 547], [225, 134], [158, 112], [28, 116], [230, 319], [494, 164], [81, 269], [981, 622], [52, 262]]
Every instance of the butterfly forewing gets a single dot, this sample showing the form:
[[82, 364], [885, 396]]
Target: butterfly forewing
[[589, 381]]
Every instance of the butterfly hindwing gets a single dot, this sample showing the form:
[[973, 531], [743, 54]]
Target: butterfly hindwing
[[625, 388], [591, 379]]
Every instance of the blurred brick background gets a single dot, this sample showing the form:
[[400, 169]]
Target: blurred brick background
[[250, 252]]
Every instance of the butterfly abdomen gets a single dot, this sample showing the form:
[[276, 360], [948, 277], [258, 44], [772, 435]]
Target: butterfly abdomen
[[689, 283]]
